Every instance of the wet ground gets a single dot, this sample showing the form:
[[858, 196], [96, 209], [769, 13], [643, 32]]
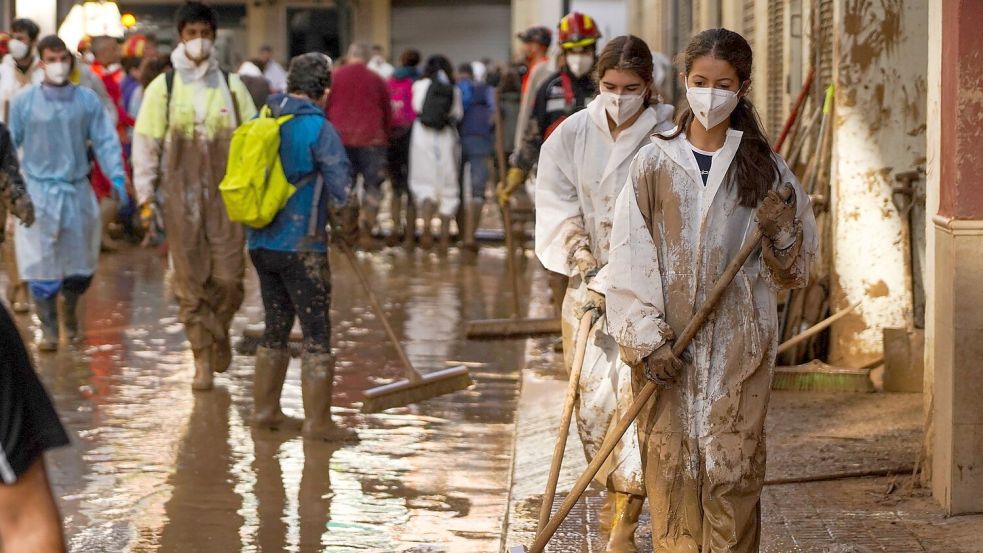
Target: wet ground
[[155, 467]]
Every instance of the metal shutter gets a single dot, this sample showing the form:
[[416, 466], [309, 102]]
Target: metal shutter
[[748, 20], [462, 30], [776, 72], [823, 31]]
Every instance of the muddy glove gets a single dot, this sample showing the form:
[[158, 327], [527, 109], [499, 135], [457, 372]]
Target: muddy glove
[[595, 303], [513, 180], [120, 193], [776, 219], [23, 209], [662, 366], [586, 263], [344, 224]]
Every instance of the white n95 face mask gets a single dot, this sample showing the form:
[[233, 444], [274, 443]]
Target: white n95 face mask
[[18, 49], [198, 49], [580, 64], [621, 107], [57, 73], [711, 106]]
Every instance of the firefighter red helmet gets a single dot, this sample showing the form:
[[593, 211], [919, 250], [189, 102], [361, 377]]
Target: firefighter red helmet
[[578, 30]]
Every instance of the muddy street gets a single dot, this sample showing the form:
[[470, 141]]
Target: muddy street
[[155, 467]]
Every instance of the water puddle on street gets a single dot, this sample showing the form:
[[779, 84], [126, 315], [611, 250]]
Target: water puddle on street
[[155, 467]]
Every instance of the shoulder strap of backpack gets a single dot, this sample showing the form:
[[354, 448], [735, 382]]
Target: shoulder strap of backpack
[[235, 101], [169, 82], [567, 84]]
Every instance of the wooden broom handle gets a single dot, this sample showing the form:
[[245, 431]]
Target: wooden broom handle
[[411, 373], [506, 209], [678, 347], [568, 403]]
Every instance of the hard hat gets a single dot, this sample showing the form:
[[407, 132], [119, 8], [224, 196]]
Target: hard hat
[[578, 30], [540, 35], [4, 49], [133, 46]]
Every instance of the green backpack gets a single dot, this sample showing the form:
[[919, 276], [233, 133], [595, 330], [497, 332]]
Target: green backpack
[[255, 188]]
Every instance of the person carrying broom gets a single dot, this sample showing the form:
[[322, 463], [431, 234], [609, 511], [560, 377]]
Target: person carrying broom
[[291, 260], [575, 195], [692, 197]]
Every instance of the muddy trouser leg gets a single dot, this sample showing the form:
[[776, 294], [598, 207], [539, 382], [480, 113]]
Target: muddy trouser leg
[[16, 288], [397, 168], [279, 310], [307, 280], [72, 289], [672, 490]]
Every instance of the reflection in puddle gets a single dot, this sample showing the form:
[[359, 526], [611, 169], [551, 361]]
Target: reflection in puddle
[[155, 467]]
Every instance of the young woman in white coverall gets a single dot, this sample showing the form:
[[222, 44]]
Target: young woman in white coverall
[[583, 166], [692, 198]]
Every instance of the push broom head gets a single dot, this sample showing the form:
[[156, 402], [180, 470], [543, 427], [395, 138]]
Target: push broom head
[[404, 392], [511, 328]]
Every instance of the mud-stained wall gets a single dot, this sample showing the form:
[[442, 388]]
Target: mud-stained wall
[[879, 130]]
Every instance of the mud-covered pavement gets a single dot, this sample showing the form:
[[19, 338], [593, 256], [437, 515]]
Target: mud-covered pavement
[[155, 467]]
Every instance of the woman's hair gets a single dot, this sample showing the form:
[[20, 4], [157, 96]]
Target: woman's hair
[[627, 53], [409, 58], [436, 64], [754, 169]]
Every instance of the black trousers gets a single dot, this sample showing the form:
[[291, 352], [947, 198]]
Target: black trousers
[[295, 284]]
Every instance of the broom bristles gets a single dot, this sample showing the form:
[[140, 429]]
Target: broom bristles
[[404, 392], [819, 377]]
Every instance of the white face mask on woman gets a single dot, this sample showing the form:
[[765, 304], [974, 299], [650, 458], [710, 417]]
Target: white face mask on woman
[[711, 106], [621, 107], [198, 49]]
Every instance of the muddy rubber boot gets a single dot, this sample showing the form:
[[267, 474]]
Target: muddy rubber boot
[[221, 354], [473, 219], [445, 233], [268, 377], [409, 232], [627, 509], [605, 515], [70, 313], [365, 225], [429, 209], [204, 378], [317, 386], [395, 213], [108, 211], [47, 311]]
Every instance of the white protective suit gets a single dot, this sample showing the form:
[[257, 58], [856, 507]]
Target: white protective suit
[[434, 156], [581, 172], [702, 438], [52, 127]]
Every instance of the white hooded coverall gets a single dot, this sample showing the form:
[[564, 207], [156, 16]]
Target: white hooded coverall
[[702, 438], [581, 172]]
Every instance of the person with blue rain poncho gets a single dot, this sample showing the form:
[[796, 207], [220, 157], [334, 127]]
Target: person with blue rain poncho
[[51, 123]]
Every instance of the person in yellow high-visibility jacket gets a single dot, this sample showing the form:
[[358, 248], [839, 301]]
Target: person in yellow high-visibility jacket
[[180, 147]]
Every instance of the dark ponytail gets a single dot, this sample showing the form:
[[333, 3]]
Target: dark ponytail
[[754, 169]]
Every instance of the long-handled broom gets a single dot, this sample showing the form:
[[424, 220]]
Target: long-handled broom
[[416, 387], [678, 347], [514, 327], [568, 404]]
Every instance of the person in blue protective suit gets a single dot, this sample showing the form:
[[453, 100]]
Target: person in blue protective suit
[[51, 123], [290, 254]]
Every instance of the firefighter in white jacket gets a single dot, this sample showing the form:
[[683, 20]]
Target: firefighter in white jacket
[[692, 198], [582, 169]]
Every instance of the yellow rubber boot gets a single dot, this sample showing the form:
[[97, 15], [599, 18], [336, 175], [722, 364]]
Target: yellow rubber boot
[[627, 509]]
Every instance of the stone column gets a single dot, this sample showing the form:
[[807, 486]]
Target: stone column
[[957, 476]]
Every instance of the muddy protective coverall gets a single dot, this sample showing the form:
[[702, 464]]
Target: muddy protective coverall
[[181, 145], [702, 438], [52, 127], [581, 172]]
